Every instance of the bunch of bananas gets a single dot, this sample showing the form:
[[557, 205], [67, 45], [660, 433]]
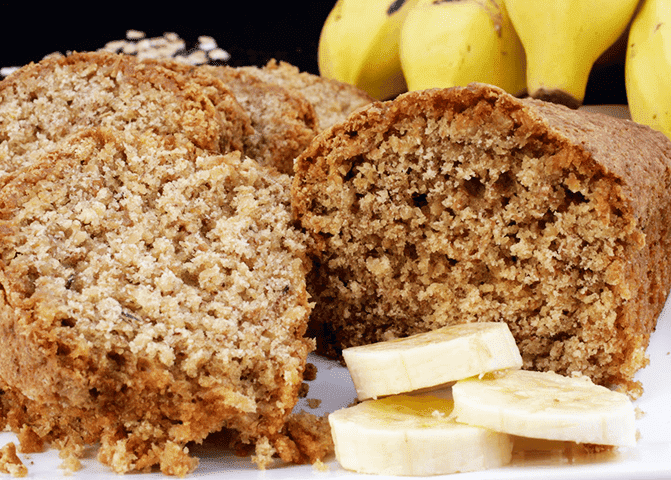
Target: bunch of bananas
[[387, 47], [648, 66], [544, 49]]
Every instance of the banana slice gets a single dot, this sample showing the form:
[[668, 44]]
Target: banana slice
[[432, 358], [548, 406], [413, 435]]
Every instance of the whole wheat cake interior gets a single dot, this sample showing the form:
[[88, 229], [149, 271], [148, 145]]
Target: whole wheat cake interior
[[283, 120], [147, 303], [332, 100], [44, 102], [467, 204], [152, 282]]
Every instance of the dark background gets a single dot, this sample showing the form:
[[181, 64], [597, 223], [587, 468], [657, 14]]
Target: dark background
[[252, 32]]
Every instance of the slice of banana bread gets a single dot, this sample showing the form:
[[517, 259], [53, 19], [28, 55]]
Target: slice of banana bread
[[465, 205], [151, 294], [44, 102], [333, 101], [284, 122]]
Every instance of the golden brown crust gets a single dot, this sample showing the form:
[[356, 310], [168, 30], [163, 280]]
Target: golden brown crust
[[557, 96], [150, 295], [468, 204], [617, 145]]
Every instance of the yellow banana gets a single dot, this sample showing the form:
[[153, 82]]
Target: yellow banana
[[449, 43], [432, 358], [413, 435], [562, 40], [358, 44], [548, 406], [648, 66]]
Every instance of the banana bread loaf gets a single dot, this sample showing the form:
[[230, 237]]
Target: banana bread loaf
[[465, 205]]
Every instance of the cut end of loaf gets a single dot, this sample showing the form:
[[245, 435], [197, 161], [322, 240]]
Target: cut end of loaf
[[463, 205]]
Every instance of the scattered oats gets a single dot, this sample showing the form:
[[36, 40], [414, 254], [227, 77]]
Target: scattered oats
[[135, 34], [639, 413], [159, 48], [4, 71], [172, 36], [207, 43], [147, 44], [129, 49], [303, 390], [219, 54], [115, 46], [320, 466], [170, 45], [153, 53], [314, 402], [197, 57]]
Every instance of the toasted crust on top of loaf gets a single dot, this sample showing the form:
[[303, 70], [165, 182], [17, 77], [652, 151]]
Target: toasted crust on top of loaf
[[467, 204]]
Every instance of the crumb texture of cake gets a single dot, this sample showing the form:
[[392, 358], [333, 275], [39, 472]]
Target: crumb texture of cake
[[286, 108], [464, 205], [333, 101], [11, 463], [307, 439], [284, 122], [151, 294], [44, 102]]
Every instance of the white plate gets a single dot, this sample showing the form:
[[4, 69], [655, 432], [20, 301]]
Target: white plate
[[650, 459]]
